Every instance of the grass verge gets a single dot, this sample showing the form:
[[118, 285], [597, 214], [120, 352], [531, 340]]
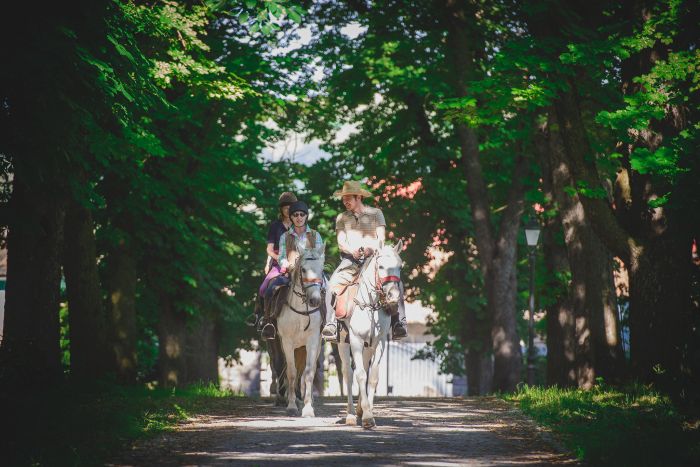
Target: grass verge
[[72, 425], [607, 426]]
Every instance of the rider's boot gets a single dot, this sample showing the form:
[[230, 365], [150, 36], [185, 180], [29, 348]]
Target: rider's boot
[[255, 319], [399, 328], [268, 330], [330, 330]]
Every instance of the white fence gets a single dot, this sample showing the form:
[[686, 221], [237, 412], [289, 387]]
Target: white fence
[[406, 377]]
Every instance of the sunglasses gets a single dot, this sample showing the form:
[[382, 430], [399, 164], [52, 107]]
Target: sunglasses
[[299, 214]]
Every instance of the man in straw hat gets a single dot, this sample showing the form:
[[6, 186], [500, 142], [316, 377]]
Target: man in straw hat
[[361, 231]]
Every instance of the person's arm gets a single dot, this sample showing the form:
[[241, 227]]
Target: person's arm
[[380, 235], [284, 264], [343, 242], [343, 245], [319, 239], [271, 252]]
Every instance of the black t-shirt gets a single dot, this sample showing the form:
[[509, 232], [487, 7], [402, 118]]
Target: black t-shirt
[[274, 233]]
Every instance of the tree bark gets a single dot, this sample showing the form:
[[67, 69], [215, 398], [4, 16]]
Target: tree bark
[[120, 280], [172, 344], [657, 255], [561, 335], [203, 351], [30, 356], [88, 354], [599, 346]]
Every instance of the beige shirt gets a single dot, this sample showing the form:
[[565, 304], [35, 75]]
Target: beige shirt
[[360, 228]]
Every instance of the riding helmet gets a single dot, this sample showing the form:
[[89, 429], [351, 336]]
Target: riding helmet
[[299, 206], [286, 199]]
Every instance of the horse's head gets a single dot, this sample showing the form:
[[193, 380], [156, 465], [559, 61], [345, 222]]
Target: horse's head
[[311, 273], [389, 274]]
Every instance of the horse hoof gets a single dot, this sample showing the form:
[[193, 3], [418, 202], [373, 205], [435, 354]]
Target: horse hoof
[[292, 412], [351, 420], [308, 412], [368, 423]]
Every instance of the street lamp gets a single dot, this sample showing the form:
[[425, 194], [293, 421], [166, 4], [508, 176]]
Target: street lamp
[[532, 235]]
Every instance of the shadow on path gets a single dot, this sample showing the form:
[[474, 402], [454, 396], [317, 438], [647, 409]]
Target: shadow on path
[[439, 432]]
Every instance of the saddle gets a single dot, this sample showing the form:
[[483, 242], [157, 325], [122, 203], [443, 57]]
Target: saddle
[[273, 305], [344, 301]]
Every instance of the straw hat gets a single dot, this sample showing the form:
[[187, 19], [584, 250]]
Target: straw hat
[[352, 187]]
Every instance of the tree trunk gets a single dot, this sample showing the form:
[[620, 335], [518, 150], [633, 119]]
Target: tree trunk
[[30, 356], [502, 292], [172, 334], [598, 342], [479, 370], [658, 258], [497, 250], [88, 355], [561, 349], [120, 280], [203, 351], [659, 310]]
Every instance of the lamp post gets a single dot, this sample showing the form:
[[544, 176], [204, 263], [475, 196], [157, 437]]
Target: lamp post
[[532, 235]]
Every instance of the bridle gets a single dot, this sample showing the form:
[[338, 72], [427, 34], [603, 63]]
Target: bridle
[[304, 284], [381, 281]]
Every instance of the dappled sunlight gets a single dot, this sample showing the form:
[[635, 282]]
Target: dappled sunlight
[[446, 431]]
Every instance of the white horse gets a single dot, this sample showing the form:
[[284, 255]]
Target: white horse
[[379, 292], [299, 325]]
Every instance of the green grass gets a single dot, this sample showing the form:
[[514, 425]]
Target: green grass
[[85, 426], [605, 426]]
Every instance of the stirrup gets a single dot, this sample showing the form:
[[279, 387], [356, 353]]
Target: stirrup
[[327, 334], [267, 329]]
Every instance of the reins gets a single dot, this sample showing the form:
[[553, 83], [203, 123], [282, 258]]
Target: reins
[[302, 294]]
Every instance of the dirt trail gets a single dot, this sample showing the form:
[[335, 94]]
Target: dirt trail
[[439, 432]]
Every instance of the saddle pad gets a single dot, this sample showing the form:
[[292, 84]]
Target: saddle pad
[[278, 299], [345, 302]]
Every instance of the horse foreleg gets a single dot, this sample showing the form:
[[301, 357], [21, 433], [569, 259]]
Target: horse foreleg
[[344, 353], [292, 410], [374, 372], [357, 347], [300, 363], [367, 413], [313, 349]]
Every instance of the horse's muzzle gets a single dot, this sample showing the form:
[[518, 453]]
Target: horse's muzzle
[[315, 300], [393, 295]]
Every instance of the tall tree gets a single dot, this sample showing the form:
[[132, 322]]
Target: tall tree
[[651, 118]]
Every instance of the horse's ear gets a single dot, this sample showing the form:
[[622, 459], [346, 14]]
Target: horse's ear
[[398, 246]]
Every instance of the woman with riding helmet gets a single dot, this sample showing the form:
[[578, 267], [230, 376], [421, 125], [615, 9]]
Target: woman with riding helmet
[[298, 235]]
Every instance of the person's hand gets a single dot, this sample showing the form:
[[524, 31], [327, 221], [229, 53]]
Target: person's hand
[[283, 270]]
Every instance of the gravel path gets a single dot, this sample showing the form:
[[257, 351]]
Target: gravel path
[[438, 432]]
